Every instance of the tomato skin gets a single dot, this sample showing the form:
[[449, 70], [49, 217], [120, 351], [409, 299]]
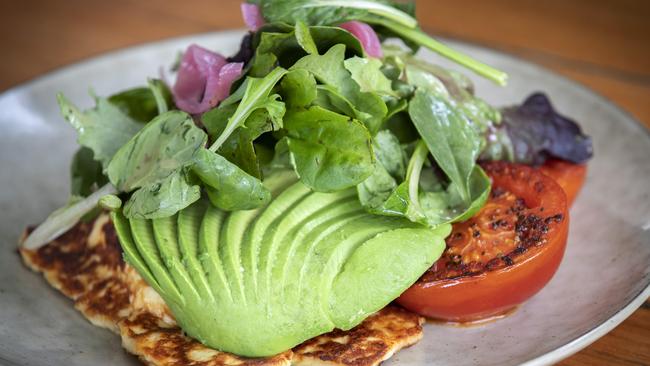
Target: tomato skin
[[490, 293], [569, 176]]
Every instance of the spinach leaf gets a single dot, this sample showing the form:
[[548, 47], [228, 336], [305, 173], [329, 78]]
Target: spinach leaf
[[381, 194], [103, 129], [449, 137], [322, 12], [279, 44], [367, 74], [165, 145], [389, 169], [298, 88], [162, 198], [229, 187], [85, 173], [257, 95], [390, 16], [329, 69], [329, 151]]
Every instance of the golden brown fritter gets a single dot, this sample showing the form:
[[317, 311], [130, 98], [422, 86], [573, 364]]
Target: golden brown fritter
[[86, 265]]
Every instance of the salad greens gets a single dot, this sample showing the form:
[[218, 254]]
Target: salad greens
[[260, 190], [407, 134], [389, 15]]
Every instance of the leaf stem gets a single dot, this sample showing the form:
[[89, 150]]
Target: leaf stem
[[63, 219], [423, 39], [414, 170]]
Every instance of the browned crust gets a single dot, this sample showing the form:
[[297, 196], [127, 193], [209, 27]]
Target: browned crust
[[86, 265], [371, 342]]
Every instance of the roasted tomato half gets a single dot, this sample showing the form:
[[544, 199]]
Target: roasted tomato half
[[569, 176], [500, 257]]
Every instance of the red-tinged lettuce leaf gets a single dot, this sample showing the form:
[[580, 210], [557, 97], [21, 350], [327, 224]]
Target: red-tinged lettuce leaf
[[537, 132]]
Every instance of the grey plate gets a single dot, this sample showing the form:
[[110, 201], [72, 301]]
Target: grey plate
[[603, 278]]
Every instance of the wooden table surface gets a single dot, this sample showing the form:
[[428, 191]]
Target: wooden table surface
[[602, 44]]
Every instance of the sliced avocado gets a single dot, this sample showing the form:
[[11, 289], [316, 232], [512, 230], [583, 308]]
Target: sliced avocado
[[188, 223], [259, 282], [276, 184], [209, 252], [267, 225], [132, 255], [315, 210], [145, 243], [331, 252], [379, 264]]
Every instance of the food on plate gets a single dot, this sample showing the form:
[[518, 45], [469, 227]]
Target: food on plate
[[501, 256], [86, 265], [273, 204]]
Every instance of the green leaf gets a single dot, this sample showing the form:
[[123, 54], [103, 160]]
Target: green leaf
[[390, 154], [329, 151], [425, 80], [103, 129], [381, 194], [329, 69], [85, 173], [61, 220], [367, 74], [416, 36], [449, 136], [278, 44], [229, 187], [304, 38], [165, 145], [163, 198], [321, 12], [162, 95], [110, 202], [257, 95], [298, 88]]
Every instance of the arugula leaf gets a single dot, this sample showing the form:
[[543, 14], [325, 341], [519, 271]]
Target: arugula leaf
[[165, 145], [85, 173], [329, 69], [449, 137], [257, 95], [329, 151], [229, 187], [367, 74], [103, 129], [163, 198]]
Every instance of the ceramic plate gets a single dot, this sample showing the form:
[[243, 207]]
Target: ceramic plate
[[603, 278]]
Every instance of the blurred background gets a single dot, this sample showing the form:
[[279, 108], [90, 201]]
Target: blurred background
[[603, 44]]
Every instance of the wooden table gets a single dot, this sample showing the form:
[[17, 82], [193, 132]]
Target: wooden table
[[603, 44]]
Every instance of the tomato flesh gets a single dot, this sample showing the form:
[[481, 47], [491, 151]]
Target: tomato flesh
[[500, 257], [569, 176]]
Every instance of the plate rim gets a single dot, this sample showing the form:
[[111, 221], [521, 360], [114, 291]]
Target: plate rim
[[569, 348]]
